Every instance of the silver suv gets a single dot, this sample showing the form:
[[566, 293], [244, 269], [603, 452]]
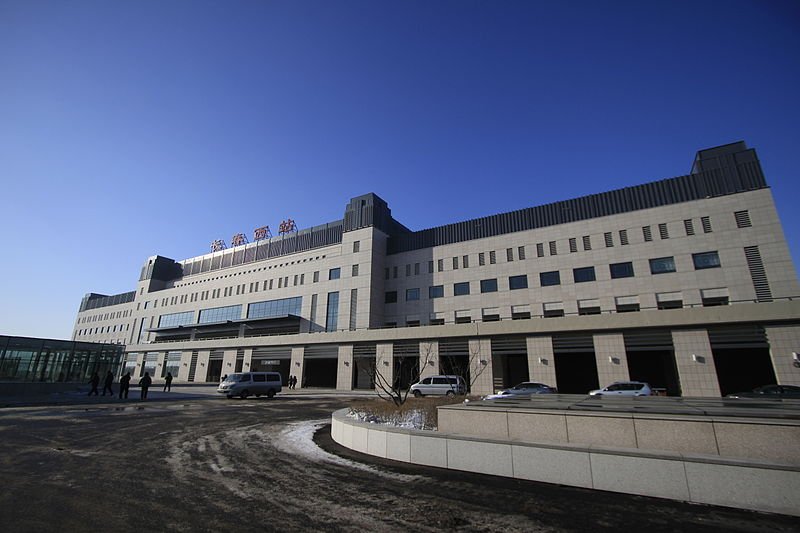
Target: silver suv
[[244, 384], [439, 386], [624, 388]]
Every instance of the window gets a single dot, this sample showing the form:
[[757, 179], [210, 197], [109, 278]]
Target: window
[[356, 246], [647, 234], [549, 278], [663, 232], [742, 219], [332, 314], [588, 307], [490, 314], [553, 309], [272, 308], [582, 275], [662, 265], [461, 289], [623, 237], [436, 291], [481, 259], [492, 258], [465, 261], [394, 272], [412, 294], [621, 270], [440, 265], [714, 297], [315, 278], [626, 304], [706, 222], [430, 267], [176, 319], [463, 317], [509, 254], [587, 242], [390, 297], [706, 260], [688, 225], [489, 285], [518, 282], [539, 249], [220, 314], [553, 250], [355, 270], [521, 253], [416, 269], [385, 271], [520, 312], [455, 263], [573, 245], [408, 270]]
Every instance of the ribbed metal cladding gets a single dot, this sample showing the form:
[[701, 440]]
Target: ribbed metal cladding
[[216, 355], [509, 346], [740, 336], [573, 343], [272, 352], [94, 301], [453, 347], [321, 351], [648, 339], [406, 349], [743, 177], [758, 274], [364, 350]]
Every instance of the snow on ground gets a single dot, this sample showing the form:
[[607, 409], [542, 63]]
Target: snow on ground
[[413, 419]]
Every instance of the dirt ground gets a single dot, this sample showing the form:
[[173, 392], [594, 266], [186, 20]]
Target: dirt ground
[[269, 465]]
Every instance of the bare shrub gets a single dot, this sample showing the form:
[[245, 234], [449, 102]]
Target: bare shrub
[[421, 413]]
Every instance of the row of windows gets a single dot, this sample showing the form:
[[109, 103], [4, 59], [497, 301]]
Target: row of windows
[[243, 272], [104, 329], [457, 262], [659, 265], [220, 314], [104, 316], [272, 308]]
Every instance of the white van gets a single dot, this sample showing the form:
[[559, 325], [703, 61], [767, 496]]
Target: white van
[[244, 384], [439, 386]]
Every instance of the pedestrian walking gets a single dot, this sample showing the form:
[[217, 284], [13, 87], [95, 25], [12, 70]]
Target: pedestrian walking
[[94, 382], [168, 382], [108, 382], [294, 383], [144, 383], [124, 385]]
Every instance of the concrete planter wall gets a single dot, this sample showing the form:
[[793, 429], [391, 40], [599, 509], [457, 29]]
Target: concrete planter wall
[[697, 478]]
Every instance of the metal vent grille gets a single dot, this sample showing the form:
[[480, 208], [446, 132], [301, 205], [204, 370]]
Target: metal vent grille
[[509, 346], [647, 234], [689, 226], [742, 219], [706, 224], [453, 347], [758, 274], [623, 237], [573, 245], [609, 240], [662, 231], [573, 343]]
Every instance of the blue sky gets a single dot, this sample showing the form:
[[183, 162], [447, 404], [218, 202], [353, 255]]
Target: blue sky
[[129, 129]]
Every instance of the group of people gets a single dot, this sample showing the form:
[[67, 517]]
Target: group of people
[[292, 382], [125, 384]]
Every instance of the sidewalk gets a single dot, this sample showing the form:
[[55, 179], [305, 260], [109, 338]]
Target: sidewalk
[[179, 392]]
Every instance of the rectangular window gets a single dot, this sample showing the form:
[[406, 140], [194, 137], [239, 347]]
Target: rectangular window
[[587, 242], [313, 313], [356, 246], [455, 263], [294, 281], [706, 222], [394, 272], [663, 231], [647, 234], [355, 270], [386, 273], [461, 289], [509, 254], [706, 260], [539, 249], [547, 279], [412, 294], [521, 253], [436, 291], [430, 267], [465, 261], [490, 314], [220, 314], [315, 278], [489, 285], [390, 297], [440, 265], [688, 225], [492, 258], [582, 275], [553, 250], [176, 319], [518, 282], [621, 270], [408, 270], [627, 304], [714, 297], [742, 219], [609, 239], [273, 308], [303, 278], [332, 314], [334, 273], [481, 259], [520, 312], [416, 269], [623, 237], [662, 265]]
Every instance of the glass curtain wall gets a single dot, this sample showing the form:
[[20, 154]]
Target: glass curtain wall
[[47, 360]]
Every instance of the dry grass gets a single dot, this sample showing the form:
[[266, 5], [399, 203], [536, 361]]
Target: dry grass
[[386, 411]]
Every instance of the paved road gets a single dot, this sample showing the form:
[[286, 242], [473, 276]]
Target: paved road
[[261, 465]]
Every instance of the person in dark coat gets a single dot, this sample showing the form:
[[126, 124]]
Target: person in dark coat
[[124, 385], [94, 382], [144, 383], [168, 382], [107, 384]]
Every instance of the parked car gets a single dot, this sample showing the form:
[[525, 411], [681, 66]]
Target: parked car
[[244, 384], [624, 388], [439, 386], [523, 390], [769, 391]]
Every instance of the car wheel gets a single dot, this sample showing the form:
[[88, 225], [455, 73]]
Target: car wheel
[[245, 393], [270, 393], [417, 394], [450, 394]]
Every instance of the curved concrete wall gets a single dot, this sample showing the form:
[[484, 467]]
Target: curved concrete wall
[[754, 485]]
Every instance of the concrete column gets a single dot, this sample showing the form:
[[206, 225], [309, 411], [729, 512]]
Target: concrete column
[[541, 364], [695, 363], [344, 372], [481, 374], [296, 365], [428, 359], [610, 357], [783, 342], [201, 372], [140, 359], [183, 369], [248, 359], [384, 365], [161, 362], [228, 362]]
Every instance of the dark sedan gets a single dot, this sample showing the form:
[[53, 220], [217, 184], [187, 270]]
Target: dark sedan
[[769, 391], [523, 390]]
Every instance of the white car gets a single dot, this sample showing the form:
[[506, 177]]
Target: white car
[[624, 388], [439, 386], [522, 390]]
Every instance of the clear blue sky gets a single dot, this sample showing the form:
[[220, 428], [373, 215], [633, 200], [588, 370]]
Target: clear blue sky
[[129, 129]]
